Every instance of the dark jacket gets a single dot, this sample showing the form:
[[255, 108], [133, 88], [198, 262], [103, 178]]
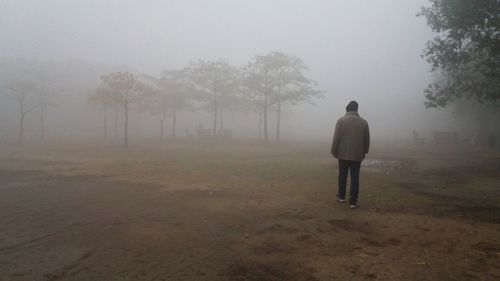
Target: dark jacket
[[351, 140]]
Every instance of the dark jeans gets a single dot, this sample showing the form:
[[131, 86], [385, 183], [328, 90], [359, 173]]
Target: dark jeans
[[344, 167]]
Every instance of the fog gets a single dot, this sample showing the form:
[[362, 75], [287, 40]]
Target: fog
[[206, 140], [369, 51]]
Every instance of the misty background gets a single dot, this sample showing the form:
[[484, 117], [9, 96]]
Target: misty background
[[369, 51]]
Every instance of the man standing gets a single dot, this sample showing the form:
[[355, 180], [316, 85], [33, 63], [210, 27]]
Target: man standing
[[351, 141]]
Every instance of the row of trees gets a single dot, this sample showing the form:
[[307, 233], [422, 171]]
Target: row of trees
[[32, 86], [267, 81]]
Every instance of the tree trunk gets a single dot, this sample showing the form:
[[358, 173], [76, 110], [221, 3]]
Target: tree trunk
[[42, 121], [214, 133], [21, 128], [278, 122], [21, 122], [265, 118], [174, 122], [259, 132], [116, 121], [105, 120], [161, 127], [125, 135], [139, 115], [278, 118], [221, 123]]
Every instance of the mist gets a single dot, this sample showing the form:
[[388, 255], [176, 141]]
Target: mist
[[257, 140], [356, 50]]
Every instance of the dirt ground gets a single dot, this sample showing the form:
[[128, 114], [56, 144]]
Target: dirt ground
[[244, 211]]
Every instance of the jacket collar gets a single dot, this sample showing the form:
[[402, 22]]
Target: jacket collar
[[355, 113]]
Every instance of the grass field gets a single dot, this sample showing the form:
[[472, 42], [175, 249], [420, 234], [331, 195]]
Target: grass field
[[246, 211]]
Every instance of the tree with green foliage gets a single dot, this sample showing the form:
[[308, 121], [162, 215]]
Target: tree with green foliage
[[102, 96], [216, 82], [290, 84], [126, 89], [466, 52], [278, 78], [250, 94], [258, 87], [174, 93]]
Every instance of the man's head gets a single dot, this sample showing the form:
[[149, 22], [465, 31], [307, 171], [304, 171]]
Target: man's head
[[352, 106]]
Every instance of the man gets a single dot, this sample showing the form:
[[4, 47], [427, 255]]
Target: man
[[351, 141]]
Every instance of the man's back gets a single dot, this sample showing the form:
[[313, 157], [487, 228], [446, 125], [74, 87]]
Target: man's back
[[351, 140]]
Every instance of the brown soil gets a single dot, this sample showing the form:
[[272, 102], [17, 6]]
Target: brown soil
[[243, 211]]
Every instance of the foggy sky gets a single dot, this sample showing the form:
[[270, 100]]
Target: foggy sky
[[364, 50]]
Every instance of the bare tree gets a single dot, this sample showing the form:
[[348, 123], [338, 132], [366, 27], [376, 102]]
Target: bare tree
[[48, 83], [45, 81]]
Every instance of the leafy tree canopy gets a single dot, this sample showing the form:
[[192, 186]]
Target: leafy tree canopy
[[465, 53], [126, 87], [281, 77], [213, 77]]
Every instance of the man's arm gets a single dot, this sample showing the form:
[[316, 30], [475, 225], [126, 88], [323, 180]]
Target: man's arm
[[336, 139], [367, 138]]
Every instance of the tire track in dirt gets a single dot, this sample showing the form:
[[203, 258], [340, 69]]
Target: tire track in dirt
[[25, 244], [68, 270]]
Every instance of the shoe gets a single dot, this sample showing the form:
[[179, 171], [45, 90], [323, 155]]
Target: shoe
[[352, 206], [340, 200]]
